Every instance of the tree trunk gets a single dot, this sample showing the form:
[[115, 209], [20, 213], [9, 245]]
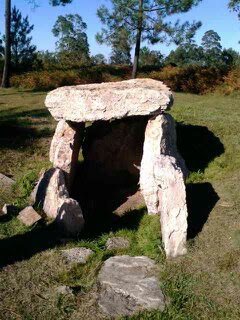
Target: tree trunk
[[138, 40], [7, 57]]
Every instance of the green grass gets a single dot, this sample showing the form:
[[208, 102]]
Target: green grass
[[204, 284]]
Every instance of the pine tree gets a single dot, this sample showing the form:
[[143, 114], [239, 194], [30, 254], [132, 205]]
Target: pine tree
[[145, 20], [22, 51], [72, 44]]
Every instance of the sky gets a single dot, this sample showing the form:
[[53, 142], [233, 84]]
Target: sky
[[214, 14]]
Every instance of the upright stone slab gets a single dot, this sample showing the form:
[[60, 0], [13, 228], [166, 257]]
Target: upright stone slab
[[158, 188], [65, 148], [172, 206]]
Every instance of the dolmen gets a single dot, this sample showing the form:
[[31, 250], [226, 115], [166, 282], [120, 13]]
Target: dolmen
[[119, 127]]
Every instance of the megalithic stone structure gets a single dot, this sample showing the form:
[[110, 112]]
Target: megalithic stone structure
[[138, 106]]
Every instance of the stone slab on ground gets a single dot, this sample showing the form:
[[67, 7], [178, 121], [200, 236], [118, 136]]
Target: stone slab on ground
[[115, 243], [29, 216], [108, 101], [9, 209], [77, 255], [5, 182], [129, 285]]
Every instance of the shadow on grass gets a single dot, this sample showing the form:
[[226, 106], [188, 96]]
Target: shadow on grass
[[198, 146], [201, 199], [24, 246], [16, 129]]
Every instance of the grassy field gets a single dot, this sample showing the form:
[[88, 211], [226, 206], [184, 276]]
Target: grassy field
[[204, 284]]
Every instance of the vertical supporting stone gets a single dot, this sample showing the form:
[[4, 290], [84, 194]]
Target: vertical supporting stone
[[160, 155], [65, 148], [172, 205]]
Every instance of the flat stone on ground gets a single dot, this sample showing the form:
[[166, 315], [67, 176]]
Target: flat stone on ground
[[5, 182], [77, 255], [29, 216], [129, 285], [108, 101], [115, 243]]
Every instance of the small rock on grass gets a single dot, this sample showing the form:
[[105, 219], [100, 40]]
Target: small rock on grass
[[5, 182], [29, 216], [115, 243], [9, 209], [77, 255], [64, 290]]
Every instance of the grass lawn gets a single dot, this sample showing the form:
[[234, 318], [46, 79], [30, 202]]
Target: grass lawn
[[204, 284]]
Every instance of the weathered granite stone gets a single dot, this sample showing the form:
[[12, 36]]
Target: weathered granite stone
[[77, 255], [52, 195], [65, 148], [171, 193], [5, 182], [29, 216], [107, 101], [115, 243], [128, 285], [167, 198], [9, 209], [160, 139]]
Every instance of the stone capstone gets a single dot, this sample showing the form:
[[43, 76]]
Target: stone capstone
[[29, 216], [52, 196], [129, 285], [108, 101], [115, 243], [77, 255]]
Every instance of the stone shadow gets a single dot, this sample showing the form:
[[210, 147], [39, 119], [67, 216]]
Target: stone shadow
[[201, 199], [16, 128], [197, 145]]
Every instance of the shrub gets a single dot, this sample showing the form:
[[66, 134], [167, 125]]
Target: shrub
[[47, 80], [192, 79], [231, 82]]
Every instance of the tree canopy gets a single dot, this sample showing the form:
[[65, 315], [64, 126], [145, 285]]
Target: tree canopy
[[235, 6], [59, 2], [149, 57], [22, 51], [146, 20], [72, 43]]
